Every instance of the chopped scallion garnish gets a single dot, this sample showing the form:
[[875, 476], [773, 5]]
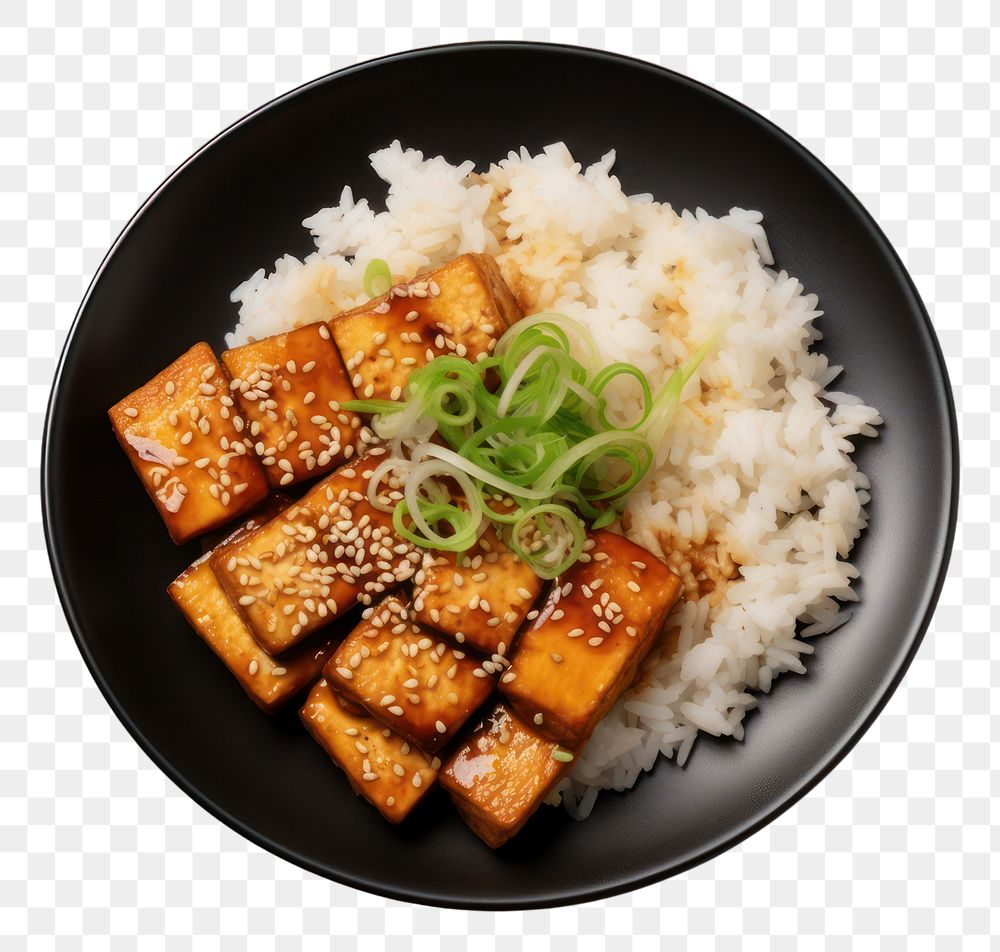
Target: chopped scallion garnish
[[538, 454], [378, 278]]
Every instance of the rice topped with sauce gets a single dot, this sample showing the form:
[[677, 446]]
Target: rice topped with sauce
[[754, 500]]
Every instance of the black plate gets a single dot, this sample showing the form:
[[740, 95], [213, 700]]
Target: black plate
[[237, 205]]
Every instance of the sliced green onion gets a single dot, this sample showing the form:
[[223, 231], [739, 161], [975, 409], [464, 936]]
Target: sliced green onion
[[560, 537], [377, 279], [371, 406], [542, 443], [604, 519]]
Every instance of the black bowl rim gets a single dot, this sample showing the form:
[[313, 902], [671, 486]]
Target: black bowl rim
[[914, 637]]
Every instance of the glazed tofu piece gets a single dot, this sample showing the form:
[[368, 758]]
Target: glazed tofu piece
[[326, 553], [290, 388], [480, 597], [275, 503], [407, 677], [462, 308], [584, 648], [384, 768], [183, 435], [270, 683], [501, 773]]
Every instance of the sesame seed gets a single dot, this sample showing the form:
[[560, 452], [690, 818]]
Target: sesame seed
[[346, 673], [538, 719], [595, 642], [417, 780], [396, 709], [574, 633], [252, 667], [247, 600], [440, 727], [557, 658], [279, 671], [524, 593], [131, 412]]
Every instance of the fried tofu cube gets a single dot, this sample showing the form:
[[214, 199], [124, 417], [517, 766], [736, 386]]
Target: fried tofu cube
[[275, 503], [182, 434], [324, 554], [585, 647], [479, 597], [408, 677], [384, 768], [290, 388], [270, 683], [462, 308], [501, 773]]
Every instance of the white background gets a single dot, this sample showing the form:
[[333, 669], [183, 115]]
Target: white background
[[894, 850]]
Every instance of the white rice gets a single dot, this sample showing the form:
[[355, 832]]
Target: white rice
[[758, 456]]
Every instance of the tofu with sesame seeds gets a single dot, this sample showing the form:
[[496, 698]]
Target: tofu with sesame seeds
[[268, 682], [184, 437], [480, 597], [392, 774], [290, 387], [326, 553], [462, 308], [501, 773], [408, 677], [583, 650]]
